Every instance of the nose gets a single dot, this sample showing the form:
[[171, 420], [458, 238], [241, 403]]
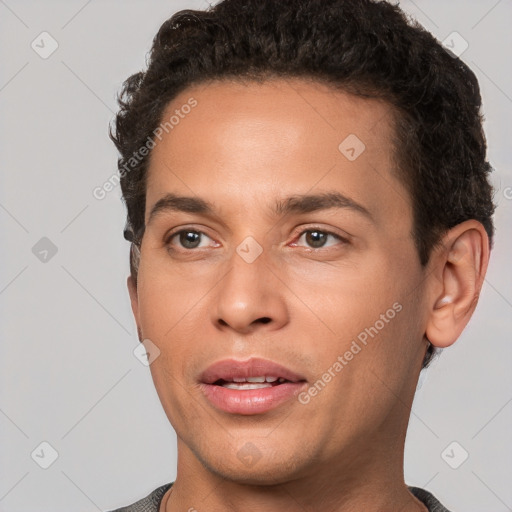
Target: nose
[[250, 296]]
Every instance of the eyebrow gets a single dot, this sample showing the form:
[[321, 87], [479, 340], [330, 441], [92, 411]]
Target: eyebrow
[[297, 204], [314, 202]]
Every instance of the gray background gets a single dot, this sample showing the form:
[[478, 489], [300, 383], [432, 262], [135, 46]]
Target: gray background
[[68, 374]]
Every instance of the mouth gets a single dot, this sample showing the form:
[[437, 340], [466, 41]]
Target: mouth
[[249, 387], [260, 382], [258, 371]]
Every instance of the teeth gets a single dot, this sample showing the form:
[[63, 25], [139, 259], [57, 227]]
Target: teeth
[[256, 379], [246, 385]]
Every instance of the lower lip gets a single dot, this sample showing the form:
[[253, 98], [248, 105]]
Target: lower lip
[[251, 401]]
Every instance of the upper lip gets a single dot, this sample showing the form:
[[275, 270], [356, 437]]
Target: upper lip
[[228, 369]]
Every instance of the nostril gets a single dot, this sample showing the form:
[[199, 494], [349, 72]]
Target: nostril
[[262, 320]]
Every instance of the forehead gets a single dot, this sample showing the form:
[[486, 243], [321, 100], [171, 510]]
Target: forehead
[[246, 141]]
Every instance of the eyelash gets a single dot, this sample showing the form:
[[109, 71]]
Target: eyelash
[[339, 238], [173, 235]]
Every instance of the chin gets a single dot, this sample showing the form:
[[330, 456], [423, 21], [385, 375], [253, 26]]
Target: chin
[[261, 471]]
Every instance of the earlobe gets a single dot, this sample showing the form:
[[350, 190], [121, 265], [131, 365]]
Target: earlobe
[[134, 300], [461, 265]]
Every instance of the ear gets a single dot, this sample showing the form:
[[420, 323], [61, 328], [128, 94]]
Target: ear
[[134, 300], [459, 270]]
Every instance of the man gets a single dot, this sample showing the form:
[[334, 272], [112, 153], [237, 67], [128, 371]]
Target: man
[[311, 219]]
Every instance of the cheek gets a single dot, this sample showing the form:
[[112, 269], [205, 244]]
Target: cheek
[[168, 295], [370, 312], [170, 316], [349, 296]]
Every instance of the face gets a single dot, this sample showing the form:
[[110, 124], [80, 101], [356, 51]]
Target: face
[[294, 247]]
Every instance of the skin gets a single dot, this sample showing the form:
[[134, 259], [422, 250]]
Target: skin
[[242, 148]]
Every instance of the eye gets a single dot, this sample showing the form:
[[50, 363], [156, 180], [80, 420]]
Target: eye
[[189, 239], [317, 238]]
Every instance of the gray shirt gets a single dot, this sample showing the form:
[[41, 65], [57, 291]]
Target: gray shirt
[[151, 503]]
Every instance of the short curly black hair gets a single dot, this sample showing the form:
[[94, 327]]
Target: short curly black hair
[[365, 47]]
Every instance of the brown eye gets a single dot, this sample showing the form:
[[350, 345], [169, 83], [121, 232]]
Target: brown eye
[[317, 238], [188, 239]]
